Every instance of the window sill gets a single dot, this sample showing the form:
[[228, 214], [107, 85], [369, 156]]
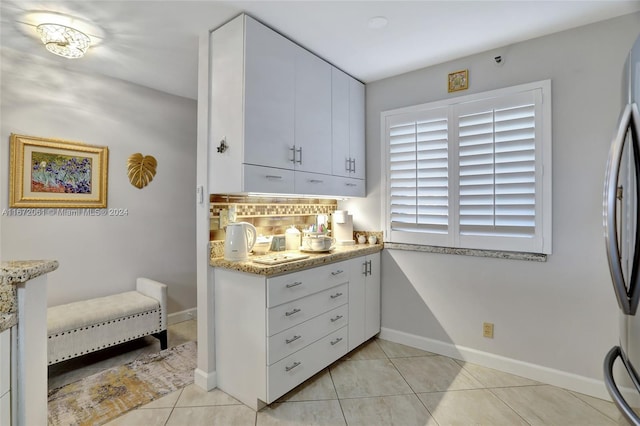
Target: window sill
[[533, 257]]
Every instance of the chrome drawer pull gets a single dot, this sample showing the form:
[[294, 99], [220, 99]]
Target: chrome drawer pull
[[293, 339], [333, 296], [295, 311], [297, 283], [350, 184], [336, 318], [335, 342], [315, 181], [338, 272], [273, 177], [294, 365]]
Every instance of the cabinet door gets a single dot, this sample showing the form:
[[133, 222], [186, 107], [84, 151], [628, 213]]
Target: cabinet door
[[5, 361], [372, 297], [5, 409], [340, 122], [356, 128], [269, 97], [312, 113], [357, 298]]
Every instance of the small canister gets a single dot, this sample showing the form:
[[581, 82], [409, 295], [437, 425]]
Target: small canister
[[292, 238]]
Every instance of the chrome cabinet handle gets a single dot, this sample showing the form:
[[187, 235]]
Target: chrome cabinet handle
[[366, 270], [293, 339], [295, 284], [354, 165], [294, 311], [315, 181], [293, 151], [350, 184], [336, 318], [273, 177], [338, 272], [347, 164], [335, 342], [299, 152], [333, 296], [294, 365]]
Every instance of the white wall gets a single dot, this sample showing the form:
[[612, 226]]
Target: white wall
[[560, 314], [103, 255]]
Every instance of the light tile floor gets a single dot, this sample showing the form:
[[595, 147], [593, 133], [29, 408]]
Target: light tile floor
[[380, 383]]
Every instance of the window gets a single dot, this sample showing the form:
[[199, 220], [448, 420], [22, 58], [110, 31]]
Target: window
[[471, 172]]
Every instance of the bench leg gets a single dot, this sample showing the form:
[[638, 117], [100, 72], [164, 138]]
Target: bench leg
[[162, 336]]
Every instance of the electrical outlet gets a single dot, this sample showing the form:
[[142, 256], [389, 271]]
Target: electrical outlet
[[487, 330]]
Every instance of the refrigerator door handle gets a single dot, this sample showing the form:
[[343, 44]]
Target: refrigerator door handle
[[628, 297], [610, 383]]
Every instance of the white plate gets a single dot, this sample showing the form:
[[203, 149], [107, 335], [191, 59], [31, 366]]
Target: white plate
[[308, 250]]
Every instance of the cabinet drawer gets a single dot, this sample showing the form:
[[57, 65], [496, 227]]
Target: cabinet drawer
[[313, 184], [267, 179], [349, 187], [289, 372], [293, 313], [293, 286], [295, 338]]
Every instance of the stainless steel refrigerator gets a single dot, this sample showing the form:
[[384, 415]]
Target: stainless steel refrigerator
[[622, 234]]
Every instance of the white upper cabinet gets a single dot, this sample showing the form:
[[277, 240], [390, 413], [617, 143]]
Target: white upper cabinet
[[340, 122], [312, 113], [269, 83], [356, 128], [348, 143], [271, 116]]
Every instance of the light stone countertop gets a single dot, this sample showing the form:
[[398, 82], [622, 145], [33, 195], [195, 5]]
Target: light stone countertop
[[314, 259], [16, 272]]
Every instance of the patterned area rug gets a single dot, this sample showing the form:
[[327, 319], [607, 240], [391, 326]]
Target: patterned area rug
[[104, 396]]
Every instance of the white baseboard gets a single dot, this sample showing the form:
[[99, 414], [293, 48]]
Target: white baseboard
[[204, 380], [563, 379], [186, 315]]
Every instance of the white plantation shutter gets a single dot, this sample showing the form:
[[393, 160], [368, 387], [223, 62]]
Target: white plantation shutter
[[418, 172], [496, 157], [470, 173]]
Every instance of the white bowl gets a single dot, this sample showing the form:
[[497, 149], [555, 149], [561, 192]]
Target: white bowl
[[261, 247]]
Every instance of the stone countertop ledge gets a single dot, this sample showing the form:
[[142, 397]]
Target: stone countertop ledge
[[314, 259], [13, 273]]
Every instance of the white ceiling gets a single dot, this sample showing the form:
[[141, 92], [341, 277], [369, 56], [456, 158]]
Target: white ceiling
[[155, 43]]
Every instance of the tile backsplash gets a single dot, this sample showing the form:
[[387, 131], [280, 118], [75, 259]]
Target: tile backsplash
[[270, 216]]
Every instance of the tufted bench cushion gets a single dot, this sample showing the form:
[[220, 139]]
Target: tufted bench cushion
[[78, 328]]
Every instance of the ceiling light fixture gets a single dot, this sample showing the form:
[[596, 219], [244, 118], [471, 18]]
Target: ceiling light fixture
[[64, 41], [378, 22]]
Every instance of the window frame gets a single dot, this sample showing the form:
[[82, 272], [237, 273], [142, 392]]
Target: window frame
[[541, 241]]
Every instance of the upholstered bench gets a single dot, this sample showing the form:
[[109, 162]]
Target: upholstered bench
[[82, 327]]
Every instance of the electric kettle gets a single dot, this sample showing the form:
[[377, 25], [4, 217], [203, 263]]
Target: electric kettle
[[240, 238]]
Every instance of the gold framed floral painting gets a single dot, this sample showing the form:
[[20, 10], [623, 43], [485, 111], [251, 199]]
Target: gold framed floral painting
[[458, 80], [55, 173]]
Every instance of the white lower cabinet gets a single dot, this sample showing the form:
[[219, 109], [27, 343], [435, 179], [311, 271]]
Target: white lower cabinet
[[364, 287], [299, 366], [274, 333], [5, 378]]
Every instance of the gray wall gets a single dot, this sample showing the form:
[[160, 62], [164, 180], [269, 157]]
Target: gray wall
[[560, 314], [103, 255]]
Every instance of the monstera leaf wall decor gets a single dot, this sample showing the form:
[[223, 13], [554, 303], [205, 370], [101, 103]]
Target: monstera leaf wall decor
[[141, 169]]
